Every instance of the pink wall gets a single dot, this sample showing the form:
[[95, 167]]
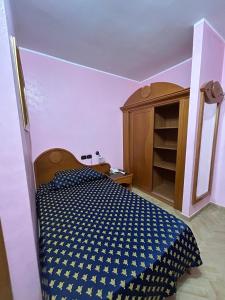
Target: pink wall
[[179, 74], [15, 210], [207, 61], [75, 107], [26, 139], [218, 195]]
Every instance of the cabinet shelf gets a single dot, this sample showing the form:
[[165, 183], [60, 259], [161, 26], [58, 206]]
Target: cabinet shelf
[[165, 152], [164, 184], [165, 165], [165, 190], [167, 115], [166, 127], [171, 147], [166, 139]]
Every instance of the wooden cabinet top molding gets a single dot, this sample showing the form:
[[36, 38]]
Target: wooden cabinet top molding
[[154, 93]]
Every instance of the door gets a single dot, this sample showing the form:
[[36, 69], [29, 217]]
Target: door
[[141, 142]]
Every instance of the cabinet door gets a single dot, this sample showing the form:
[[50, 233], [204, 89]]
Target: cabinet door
[[141, 147], [181, 152]]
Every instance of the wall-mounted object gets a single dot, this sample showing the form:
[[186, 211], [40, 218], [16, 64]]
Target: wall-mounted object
[[20, 81], [209, 110], [101, 159], [213, 92], [154, 140]]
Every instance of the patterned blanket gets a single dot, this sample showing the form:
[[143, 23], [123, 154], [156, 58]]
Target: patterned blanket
[[100, 241]]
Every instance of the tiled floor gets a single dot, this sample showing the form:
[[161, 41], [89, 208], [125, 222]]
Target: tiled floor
[[208, 281]]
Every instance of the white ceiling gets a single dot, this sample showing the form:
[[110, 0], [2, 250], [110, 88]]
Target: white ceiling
[[131, 38]]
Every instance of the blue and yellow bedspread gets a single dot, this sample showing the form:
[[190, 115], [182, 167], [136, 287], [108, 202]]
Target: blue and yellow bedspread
[[100, 241]]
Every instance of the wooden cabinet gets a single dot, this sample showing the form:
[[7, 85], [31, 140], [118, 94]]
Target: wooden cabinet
[[155, 130]]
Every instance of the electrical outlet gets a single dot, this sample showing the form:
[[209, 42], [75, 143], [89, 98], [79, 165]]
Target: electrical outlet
[[89, 156], [83, 157]]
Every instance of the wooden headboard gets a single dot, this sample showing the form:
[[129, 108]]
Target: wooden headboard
[[57, 159]]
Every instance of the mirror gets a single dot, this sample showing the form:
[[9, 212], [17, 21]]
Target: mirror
[[206, 143]]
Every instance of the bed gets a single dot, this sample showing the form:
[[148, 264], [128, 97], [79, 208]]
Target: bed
[[100, 241]]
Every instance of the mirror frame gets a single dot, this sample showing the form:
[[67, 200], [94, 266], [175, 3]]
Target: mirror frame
[[17, 65], [195, 198]]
